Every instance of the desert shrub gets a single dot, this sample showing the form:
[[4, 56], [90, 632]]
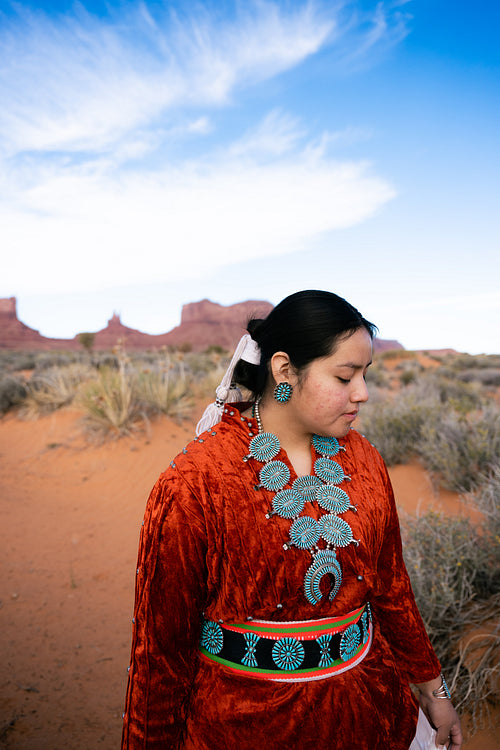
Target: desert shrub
[[203, 364], [14, 361], [184, 347], [443, 556], [486, 499], [434, 356], [377, 376], [485, 376], [13, 391], [487, 496], [395, 427], [146, 359], [53, 389], [104, 359], [489, 360], [461, 449], [53, 360], [442, 421], [396, 354], [445, 389], [215, 349], [408, 376], [460, 362], [476, 678], [454, 569], [410, 363]]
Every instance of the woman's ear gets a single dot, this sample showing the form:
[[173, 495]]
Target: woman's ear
[[282, 369]]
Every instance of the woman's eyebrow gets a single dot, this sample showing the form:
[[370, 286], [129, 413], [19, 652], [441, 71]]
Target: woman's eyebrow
[[354, 365]]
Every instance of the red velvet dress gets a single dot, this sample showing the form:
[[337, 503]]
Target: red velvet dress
[[207, 547]]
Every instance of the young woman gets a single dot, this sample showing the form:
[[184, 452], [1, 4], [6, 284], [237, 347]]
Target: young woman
[[273, 608]]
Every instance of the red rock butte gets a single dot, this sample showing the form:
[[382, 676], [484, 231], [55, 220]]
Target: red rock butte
[[203, 324]]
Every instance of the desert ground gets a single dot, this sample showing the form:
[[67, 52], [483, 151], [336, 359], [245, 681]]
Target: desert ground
[[71, 514]]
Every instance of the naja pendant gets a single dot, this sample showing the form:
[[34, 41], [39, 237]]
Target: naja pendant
[[325, 562]]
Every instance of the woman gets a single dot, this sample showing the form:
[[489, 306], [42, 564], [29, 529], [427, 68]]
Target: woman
[[273, 608]]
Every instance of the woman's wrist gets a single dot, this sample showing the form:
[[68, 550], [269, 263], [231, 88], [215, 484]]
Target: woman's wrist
[[435, 689], [443, 690]]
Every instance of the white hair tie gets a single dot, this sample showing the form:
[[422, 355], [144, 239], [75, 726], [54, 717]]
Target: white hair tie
[[251, 350], [248, 350]]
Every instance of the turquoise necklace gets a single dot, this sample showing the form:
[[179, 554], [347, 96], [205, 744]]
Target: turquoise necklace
[[306, 532]]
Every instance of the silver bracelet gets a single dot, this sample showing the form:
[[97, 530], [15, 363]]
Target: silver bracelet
[[442, 691]]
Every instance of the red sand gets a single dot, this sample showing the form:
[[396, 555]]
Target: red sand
[[71, 515]]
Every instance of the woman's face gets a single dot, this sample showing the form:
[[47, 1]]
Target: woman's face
[[329, 392]]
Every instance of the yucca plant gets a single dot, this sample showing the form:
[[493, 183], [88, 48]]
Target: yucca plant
[[110, 402], [163, 390]]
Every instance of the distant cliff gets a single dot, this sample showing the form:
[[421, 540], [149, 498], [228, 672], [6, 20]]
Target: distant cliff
[[202, 324], [17, 335]]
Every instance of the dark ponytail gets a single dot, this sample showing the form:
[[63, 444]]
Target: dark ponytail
[[306, 325]]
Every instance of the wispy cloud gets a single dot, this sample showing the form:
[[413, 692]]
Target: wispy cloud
[[369, 35], [91, 110], [82, 82], [277, 134]]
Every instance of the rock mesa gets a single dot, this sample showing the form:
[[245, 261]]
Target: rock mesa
[[203, 324]]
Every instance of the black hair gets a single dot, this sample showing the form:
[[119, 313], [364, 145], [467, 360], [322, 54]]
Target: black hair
[[306, 325]]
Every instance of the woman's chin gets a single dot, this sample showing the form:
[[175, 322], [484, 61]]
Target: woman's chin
[[343, 430]]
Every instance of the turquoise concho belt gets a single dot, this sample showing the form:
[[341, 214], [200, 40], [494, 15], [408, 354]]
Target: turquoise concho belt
[[295, 651]]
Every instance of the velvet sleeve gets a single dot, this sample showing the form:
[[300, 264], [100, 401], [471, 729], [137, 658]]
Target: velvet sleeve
[[171, 578], [395, 608]]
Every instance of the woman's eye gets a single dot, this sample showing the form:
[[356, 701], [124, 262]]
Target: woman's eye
[[344, 381]]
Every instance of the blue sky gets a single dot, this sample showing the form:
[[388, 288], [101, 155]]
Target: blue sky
[[156, 154]]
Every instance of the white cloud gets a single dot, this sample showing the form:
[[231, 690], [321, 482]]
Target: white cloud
[[181, 222], [93, 110], [200, 125]]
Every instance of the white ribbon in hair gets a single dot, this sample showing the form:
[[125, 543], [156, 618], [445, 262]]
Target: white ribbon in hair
[[251, 350], [248, 350]]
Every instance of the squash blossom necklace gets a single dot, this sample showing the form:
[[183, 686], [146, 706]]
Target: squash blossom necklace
[[323, 486]]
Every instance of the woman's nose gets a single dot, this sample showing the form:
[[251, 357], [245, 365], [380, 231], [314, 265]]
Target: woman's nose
[[360, 393]]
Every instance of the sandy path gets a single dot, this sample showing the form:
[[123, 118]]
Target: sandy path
[[70, 523], [71, 515]]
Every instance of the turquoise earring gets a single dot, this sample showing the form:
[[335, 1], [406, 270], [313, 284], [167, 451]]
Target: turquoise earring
[[283, 392]]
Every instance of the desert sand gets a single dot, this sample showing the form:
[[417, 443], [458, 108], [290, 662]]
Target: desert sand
[[71, 514]]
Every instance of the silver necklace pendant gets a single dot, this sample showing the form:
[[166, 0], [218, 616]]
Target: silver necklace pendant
[[325, 563]]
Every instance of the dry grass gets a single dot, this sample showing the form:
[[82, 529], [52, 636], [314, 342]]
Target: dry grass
[[53, 388]]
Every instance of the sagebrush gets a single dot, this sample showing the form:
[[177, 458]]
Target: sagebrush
[[454, 566]]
